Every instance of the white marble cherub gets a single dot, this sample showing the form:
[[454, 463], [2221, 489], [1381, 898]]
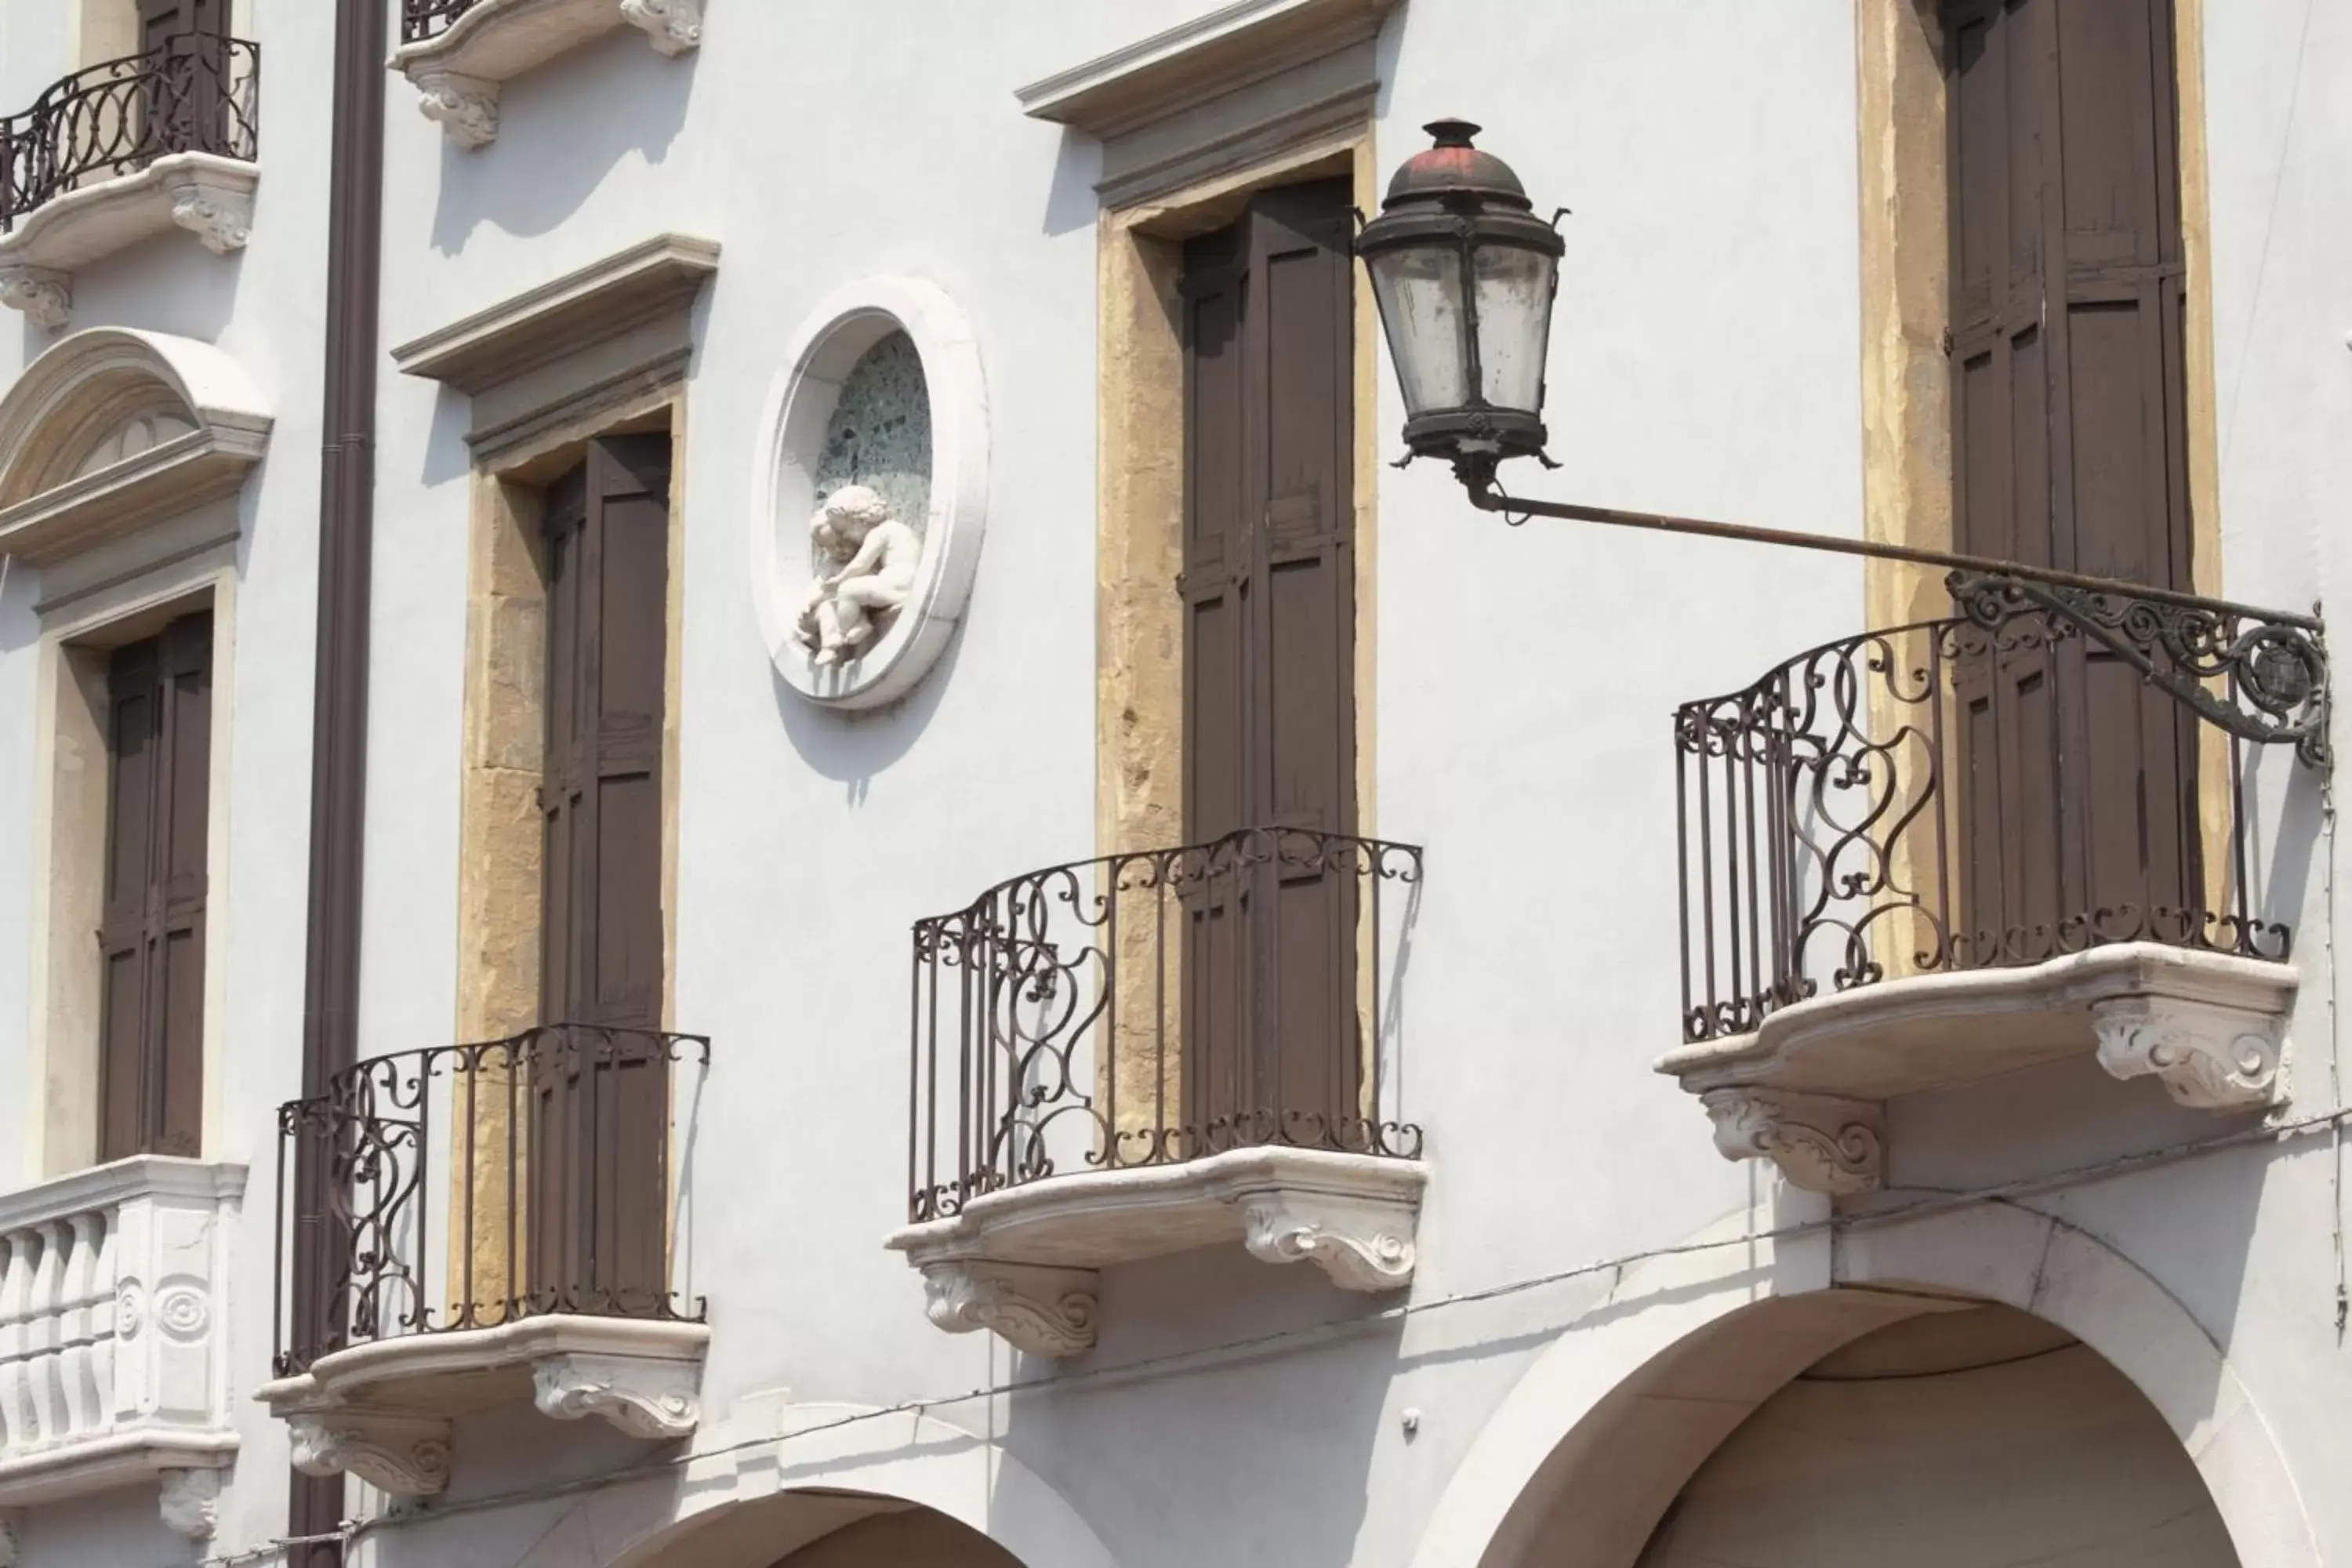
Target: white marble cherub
[[875, 556]]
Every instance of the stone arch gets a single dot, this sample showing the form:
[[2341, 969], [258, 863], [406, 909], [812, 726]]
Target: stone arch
[[1616, 1416], [843, 1455], [195, 420]]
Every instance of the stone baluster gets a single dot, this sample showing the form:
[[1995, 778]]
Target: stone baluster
[[41, 1327], [84, 1415], [15, 1286], [105, 1327]]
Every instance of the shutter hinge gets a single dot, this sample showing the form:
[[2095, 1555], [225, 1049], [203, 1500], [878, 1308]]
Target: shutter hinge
[[1945, 341]]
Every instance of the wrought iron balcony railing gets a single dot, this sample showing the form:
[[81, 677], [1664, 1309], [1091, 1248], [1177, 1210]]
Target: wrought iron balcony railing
[[547, 1158], [193, 93], [2048, 772], [422, 19], [1151, 1008]]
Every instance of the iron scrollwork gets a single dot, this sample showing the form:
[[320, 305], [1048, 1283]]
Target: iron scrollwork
[[2275, 672], [1848, 818], [189, 94], [1157, 1007], [501, 1125]]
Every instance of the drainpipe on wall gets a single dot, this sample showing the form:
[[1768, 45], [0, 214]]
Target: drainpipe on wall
[[339, 698]]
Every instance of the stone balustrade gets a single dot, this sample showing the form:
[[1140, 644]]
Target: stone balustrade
[[112, 1314]]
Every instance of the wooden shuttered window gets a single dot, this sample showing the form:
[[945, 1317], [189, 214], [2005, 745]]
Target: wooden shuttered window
[[1269, 650], [152, 935], [599, 1098], [2069, 450]]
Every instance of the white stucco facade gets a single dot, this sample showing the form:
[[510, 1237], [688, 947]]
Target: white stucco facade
[[1595, 1285]]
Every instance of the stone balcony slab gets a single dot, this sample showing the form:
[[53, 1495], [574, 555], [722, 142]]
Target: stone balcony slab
[[383, 1410], [1023, 1261], [1808, 1088]]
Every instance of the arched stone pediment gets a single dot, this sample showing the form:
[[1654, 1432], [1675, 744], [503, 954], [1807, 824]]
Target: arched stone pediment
[[113, 429]]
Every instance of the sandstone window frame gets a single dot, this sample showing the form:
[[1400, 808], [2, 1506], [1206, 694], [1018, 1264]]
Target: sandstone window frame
[[600, 352]]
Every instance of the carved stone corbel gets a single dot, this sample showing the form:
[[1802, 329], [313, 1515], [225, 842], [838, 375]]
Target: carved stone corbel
[[398, 1452], [465, 107], [45, 296], [658, 1400], [191, 1502], [1820, 1143], [1044, 1311], [2211, 1056], [674, 25], [1363, 1244], [218, 212]]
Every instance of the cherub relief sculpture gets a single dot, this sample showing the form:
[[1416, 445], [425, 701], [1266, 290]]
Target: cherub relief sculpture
[[875, 555]]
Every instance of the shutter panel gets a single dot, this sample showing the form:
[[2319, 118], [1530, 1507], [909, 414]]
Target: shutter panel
[[1268, 591], [601, 1108], [151, 938], [134, 755], [2076, 780], [182, 813]]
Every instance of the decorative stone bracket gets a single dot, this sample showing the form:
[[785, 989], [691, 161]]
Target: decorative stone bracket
[[1352, 1216], [398, 1451], [1037, 1309], [459, 72], [650, 1397], [1807, 1091], [1820, 1143], [2210, 1056]]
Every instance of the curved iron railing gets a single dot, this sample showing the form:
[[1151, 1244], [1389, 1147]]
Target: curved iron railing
[[547, 1156], [193, 93], [1991, 790], [422, 19], [1151, 1008]]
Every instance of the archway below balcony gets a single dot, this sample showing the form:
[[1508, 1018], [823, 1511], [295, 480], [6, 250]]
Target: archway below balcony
[[1669, 1404], [843, 1486]]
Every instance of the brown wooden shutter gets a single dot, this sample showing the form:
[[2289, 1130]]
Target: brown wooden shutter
[[186, 106], [601, 1107], [151, 937], [1269, 705], [2069, 450]]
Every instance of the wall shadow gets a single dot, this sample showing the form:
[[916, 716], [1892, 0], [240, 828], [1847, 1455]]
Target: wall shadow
[[562, 127]]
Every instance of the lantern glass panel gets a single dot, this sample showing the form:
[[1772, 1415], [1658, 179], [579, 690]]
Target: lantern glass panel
[[1515, 290], [1420, 290]]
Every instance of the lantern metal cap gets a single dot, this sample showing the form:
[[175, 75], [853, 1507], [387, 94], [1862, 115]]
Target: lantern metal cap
[[1452, 167]]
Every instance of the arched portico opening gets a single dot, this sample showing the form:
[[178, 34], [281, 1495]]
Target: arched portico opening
[[1619, 1422], [844, 1486]]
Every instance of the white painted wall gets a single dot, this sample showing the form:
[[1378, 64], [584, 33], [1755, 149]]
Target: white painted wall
[[1705, 360]]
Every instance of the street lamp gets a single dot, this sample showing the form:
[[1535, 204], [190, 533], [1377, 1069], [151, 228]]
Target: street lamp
[[1465, 272]]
